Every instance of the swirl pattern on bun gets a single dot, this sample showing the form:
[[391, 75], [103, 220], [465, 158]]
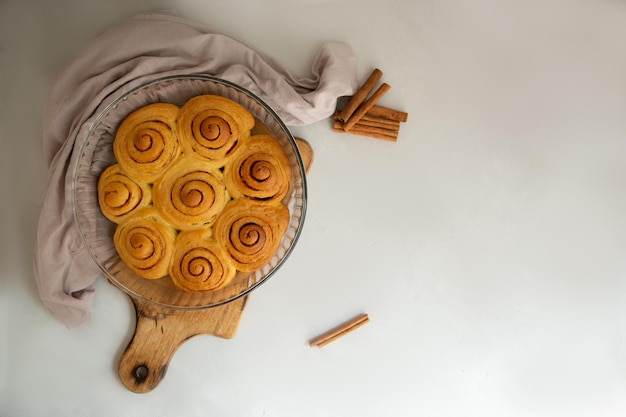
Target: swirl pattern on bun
[[189, 195], [213, 127], [145, 243], [199, 264], [250, 232], [145, 143], [119, 195], [260, 171]]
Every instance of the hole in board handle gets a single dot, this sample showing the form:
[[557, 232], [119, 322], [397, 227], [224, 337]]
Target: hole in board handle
[[140, 373]]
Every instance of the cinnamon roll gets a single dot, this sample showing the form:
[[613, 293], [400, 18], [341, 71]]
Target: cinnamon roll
[[251, 232], [119, 196], [199, 264], [213, 127], [190, 195], [145, 244], [260, 171], [145, 143]]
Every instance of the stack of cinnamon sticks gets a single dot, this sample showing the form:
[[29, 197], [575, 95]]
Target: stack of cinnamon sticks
[[362, 116]]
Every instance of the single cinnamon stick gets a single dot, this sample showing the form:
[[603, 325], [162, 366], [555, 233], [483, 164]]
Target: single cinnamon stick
[[360, 95], [367, 126], [387, 113], [371, 132], [366, 105], [378, 122], [339, 331], [368, 120]]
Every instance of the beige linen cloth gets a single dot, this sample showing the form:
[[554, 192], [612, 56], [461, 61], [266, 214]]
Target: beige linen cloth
[[139, 49]]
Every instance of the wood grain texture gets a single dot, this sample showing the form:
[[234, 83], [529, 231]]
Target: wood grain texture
[[160, 331]]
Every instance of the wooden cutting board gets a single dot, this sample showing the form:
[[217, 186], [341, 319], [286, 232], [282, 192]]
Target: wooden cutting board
[[160, 331]]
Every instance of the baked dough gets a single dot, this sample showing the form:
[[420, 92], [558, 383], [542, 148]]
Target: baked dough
[[145, 143], [199, 264], [251, 232], [145, 243], [119, 195], [260, 171], [213, 127], [189, 195]]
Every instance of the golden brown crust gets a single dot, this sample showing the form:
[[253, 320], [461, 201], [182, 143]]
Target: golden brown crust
[[189, 195], [145, 243], [145, 143], [199, 264], [213, 127], [119, 195], [251, 232], [260, 171]]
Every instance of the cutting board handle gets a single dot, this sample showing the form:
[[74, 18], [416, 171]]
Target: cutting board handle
[[159, 333]]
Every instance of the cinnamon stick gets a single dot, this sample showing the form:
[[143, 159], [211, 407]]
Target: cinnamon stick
[[371, 132], [360, 95], [368, 120], [378, 122], [367, 105], [339, 331], [387, 113], [365, 125]]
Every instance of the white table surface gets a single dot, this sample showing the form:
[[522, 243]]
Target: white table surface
[[487, 245]]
